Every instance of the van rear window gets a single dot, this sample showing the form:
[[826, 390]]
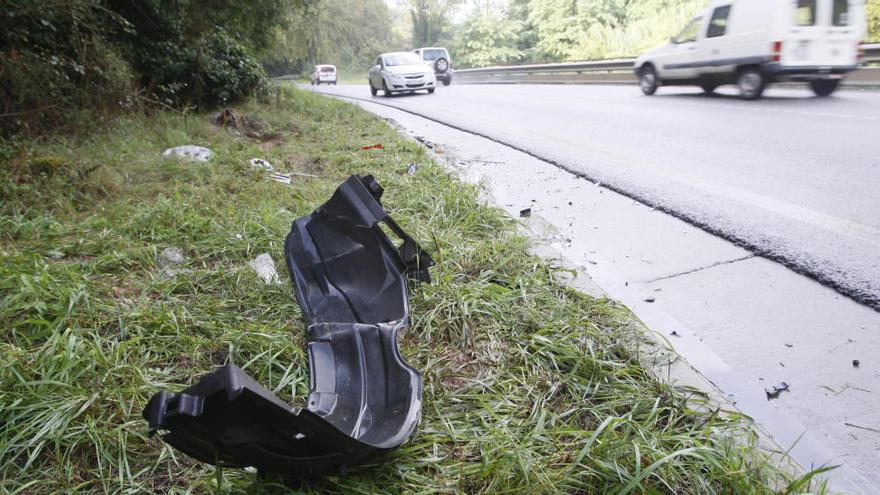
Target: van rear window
[[840, 13], [327, 69], [432, 55], [805, 13]]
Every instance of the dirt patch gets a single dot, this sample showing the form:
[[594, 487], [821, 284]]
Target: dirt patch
[[303, 163], [460, 368], [270, 144]]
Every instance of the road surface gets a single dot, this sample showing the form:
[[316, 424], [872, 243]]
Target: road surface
[[792, 178]]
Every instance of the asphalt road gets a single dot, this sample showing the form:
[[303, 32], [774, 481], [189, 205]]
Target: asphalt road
[[791, 177]]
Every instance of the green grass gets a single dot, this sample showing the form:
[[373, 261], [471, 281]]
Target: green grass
[[529, 387]]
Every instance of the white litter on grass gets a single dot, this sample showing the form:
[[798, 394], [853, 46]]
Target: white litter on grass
[[263, 164], [189, 152], [264, 265], [170, 256], [282, 178]]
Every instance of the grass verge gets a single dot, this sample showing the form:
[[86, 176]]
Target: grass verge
[[529, 387]]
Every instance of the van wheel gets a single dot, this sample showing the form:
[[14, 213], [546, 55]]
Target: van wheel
[[709, 88], [385, 90], [430, 91], [751, 84], [447, 81], [824, 87], [648, 80], [373, 91]]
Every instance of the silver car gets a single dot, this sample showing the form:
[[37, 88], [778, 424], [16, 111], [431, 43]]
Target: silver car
[[439, 60], [400, 72]]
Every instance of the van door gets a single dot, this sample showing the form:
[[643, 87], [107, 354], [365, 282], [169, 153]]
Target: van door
[[714, 47], [823, 33], [677, 61]]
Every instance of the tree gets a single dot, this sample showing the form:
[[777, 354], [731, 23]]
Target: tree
[[430, 21], [873, 20], [346, 33], [488, 38]]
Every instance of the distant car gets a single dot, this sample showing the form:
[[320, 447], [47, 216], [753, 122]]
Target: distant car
[[438, 59], [752, 43], [324, 74], [400, 72]]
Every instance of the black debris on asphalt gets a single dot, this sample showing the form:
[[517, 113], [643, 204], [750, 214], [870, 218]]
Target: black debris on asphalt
[[774, 391]]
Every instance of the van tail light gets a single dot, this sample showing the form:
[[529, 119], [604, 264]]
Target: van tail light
[[860, 52], [777, 51]]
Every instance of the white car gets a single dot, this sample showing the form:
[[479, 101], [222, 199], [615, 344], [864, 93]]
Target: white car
[[324, 74], [752, 43], [400, 72]]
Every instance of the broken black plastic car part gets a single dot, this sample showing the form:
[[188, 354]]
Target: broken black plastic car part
[[351, 282]]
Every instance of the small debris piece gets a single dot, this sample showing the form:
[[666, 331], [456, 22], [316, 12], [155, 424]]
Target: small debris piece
[[789, 345], [264, 265], [225, 118], [170, 256], [525, 213], [412, 169], [570, 203], [284, 179], [650, 300], [55, 254], [774, 391], [856, 363], [372, 147], [868, 428], [189, 152], [261, 163], [675, 334]]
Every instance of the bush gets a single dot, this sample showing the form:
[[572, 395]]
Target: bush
[[58, 59], [56, 56], [215, 71]]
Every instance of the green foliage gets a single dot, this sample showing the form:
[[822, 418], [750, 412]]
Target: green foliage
[[58, 59], [216, 70], [430, 21], [873, 7], [488, 39], [555, 30], [346, 33], [58, 55]]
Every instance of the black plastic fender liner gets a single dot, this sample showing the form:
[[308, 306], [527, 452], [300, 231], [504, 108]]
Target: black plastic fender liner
[[351, 282]]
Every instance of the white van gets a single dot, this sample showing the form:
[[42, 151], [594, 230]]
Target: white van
[[324, 74], [751, 43]]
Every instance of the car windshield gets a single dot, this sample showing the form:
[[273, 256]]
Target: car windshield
[[433, 54], [402, 59]]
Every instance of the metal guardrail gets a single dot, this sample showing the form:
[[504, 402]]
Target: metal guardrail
[[618, 70]]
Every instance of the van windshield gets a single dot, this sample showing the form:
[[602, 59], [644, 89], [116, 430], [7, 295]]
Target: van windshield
[[805, 13], [841, 13], [689, 33]]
